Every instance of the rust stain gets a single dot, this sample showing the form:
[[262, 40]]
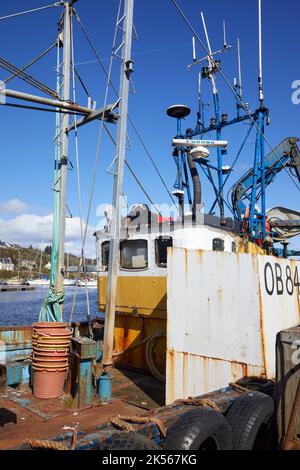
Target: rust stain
[[171, 375], [262, 336]]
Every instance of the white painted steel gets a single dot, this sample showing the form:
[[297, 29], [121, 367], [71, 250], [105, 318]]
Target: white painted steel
[[222, 322]]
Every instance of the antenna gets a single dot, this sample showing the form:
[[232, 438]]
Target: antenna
[[224, 33], [206, 34], [239, 69], [199, 100], [260, 74], [194, 49]]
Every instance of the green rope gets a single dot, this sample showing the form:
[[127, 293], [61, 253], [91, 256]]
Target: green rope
[[51, 310]]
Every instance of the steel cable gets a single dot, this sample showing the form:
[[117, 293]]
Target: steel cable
[[129, 118]]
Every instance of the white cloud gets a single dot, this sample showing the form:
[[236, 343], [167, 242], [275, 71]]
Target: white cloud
[[36, 230], [13, 206]]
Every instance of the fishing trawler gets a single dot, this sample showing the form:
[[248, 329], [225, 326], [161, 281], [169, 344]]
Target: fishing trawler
[[201, 310]]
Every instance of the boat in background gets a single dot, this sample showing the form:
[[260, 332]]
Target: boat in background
[[46, 282], [39, 282], [91, 284]]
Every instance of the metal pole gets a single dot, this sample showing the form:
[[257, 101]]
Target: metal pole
[[263, 178], [217, 112], [113, 265], [257, 161], [260, 73], [19, 255], [46, 101], [63, 162]]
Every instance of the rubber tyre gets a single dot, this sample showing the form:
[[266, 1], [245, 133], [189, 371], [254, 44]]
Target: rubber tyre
[[199, 429], [128, 441], [250, 417]]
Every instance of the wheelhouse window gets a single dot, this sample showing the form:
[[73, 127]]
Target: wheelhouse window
[[161, 250], [134, 254], [218, 244], [105, 255]]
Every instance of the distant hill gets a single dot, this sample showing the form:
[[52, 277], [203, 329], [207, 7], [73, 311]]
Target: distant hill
[[31, 259]]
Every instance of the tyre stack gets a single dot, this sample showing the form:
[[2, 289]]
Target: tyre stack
[[50, 358]]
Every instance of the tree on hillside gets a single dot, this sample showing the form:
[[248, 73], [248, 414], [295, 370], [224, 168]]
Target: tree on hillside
[[48, 250]]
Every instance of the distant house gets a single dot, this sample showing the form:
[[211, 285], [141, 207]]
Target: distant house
[[28, 265], [6, 264], [48, 266]]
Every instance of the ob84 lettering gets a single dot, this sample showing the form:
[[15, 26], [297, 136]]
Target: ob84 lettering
[[280, 280]]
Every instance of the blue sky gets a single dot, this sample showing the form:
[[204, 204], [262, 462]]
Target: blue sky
[[161, 55]]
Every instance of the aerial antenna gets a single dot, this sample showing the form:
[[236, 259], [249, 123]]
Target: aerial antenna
[[224, 33], [260, 74], [206, 34], [239, 69], [194, 49], [210, 57]]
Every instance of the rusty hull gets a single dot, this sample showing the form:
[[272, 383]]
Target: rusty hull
[[224, 311]]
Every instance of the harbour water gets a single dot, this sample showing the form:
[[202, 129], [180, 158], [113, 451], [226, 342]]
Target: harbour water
[[22, 308]]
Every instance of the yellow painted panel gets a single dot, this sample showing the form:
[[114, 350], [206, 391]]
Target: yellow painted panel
[[140, 295], [250, 248], [129, 331]]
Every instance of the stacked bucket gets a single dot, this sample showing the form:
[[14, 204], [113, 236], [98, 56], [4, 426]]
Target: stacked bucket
[[50, 358]]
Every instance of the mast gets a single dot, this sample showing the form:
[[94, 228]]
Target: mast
[[59, 278], [217, 116], [41, 257], [113, 265], [260, 73]]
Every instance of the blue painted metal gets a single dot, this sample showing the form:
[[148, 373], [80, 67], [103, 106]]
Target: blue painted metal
[[236, 158], [85, 353], [26, 373], [263, 179], [254, 227], [104, 387], [261, 175], [13, 373]]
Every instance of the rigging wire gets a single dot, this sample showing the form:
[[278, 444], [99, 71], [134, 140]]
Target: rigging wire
[[235, 160], [100, 137], [6, 65], [79, 196], [33, 61], [129, 118], [230, 86], [133, 173], [13, 15], [141, 186]]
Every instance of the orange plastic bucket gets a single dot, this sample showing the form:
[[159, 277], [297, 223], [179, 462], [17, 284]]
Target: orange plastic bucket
[[50, 361], [52, 325], [51, 352], [48, 383]]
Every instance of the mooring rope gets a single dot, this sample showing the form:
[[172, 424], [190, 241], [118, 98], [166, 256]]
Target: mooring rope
[[50, 445], [122, 422], [198, 402]]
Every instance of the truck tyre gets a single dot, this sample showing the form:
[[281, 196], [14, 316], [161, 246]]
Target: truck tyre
[[250, 417], [199, 429], [128, 441]]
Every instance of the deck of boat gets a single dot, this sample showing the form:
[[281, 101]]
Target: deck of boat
[[24, 417]]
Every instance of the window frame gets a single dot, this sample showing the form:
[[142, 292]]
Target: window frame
[[161, 265], [106, 242], [130, 241]]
